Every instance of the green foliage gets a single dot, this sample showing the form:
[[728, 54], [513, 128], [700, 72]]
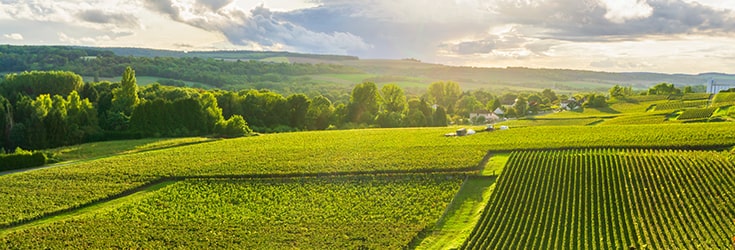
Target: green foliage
[[125, 98], [468, 104], [21, 159], [520, 106], [664, 89], [364, 103], [595, 101], [233, 127], [609, 199], [393, 99], [445, 94], [35, 83], [298, 106], [319, 114], [342, 213], [618, 92]]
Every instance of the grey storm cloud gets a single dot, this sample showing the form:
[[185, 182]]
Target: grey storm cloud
[[102, 17]]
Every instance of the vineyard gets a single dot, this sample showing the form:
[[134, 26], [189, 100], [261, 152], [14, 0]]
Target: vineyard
[[671, 105], [378, 164], [610, 199], [723, 98], [696, 113], [370, 212]]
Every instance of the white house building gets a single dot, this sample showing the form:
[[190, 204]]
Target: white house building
[[714, 86]]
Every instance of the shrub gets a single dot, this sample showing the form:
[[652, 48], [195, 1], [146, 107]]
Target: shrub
[[21, 159]]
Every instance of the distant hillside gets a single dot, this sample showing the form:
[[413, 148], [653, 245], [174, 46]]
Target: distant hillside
[[222, 54], [472, 77], [410, 74]]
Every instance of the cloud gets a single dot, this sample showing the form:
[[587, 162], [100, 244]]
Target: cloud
[[598, 20], [14, 36], [612, 63], [116, 19], [260, 28], [619, 11]]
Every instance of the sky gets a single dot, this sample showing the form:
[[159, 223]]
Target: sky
[[667, 36]]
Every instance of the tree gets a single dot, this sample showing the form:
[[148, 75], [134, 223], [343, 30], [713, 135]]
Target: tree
[[549, 94], [6, 122], [393, 98], [520, 106], [319, 114], [363, 104], [493, 104], [125, 98], [688, 89], [595, 101], [233, 127], [467, 104], [440, 117], [444, 94], [298, 107], [664, 89]]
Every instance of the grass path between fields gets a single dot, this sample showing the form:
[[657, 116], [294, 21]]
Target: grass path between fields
[[460, 217]]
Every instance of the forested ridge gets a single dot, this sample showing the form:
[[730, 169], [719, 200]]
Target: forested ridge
[[214, 72]]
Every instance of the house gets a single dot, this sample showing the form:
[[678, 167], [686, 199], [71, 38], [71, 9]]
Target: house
[[487, 115], [714, 87], [569, 104]]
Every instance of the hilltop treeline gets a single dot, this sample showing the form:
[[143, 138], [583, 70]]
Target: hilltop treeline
[[214, 72]]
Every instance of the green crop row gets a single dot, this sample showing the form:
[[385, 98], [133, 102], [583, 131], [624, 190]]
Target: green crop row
[[724, 98], [381, 212], [696, 113], [24, 196], [610, 199], [682, 105]]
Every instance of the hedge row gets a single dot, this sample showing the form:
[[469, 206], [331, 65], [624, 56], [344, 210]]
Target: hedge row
[[21, 160]]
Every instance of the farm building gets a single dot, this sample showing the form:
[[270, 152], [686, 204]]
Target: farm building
[[487, 115], [715, 86]]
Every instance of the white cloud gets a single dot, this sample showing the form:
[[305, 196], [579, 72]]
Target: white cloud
[[14, 36], [619, 11]]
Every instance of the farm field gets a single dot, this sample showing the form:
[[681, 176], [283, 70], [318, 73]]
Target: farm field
[[32, 194], [610, 199], [325, 157], [375, 212]]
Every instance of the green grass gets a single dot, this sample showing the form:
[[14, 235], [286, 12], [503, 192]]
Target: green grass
[[495, 164], [461, 215], [95, 150], [325, 213]]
